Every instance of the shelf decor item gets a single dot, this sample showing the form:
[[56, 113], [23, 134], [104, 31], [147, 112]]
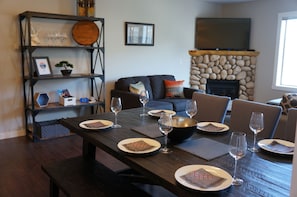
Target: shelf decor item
[[85, 33], [41, 99], [67, 67], [86, 8], [42, 66]]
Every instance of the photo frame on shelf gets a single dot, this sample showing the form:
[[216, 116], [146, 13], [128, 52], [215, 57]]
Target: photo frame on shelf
[[139, 34], [42, 66]]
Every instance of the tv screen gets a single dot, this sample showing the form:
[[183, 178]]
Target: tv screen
[[223, 33]]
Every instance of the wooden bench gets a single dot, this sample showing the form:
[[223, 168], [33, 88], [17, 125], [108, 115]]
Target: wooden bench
[[80, 177]]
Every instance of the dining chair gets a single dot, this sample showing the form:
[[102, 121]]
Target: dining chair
[[241, 112], [210, 107], [290, 127]]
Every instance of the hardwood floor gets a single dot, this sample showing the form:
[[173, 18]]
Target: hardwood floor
[[21, 160]]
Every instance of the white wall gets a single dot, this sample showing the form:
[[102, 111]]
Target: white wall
[[174, 35], [264, 15]]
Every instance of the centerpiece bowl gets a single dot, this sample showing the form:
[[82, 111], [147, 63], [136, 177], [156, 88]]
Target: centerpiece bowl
[[183, 128]]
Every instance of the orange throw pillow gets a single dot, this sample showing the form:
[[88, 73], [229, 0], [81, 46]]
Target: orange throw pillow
[[174, 88]]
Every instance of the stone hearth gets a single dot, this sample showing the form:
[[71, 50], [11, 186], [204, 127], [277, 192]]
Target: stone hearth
[[224, 65]]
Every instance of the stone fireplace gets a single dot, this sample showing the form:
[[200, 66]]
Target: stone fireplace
[[224, 65]]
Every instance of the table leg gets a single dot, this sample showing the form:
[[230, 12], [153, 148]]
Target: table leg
[[89, 150]]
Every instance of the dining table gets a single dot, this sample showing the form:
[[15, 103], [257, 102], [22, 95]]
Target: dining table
[[265, 173]]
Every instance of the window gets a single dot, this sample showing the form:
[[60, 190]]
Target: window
[[285, 61]]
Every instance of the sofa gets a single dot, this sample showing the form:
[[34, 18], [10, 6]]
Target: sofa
[[160, 93]]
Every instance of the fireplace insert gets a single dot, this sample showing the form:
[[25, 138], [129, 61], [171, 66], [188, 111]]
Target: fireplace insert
[[223, 88]]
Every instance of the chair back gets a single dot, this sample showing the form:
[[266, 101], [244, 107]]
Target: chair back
[[241, 112], [291, 124], [210, 107]]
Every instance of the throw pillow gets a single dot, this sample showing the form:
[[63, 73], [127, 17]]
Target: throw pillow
[[289, 100], [137, 87], [174, 88]]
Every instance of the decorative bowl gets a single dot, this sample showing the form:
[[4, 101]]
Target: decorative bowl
[[183, 128]]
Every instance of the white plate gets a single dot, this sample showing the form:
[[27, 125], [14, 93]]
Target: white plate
[[264, 145], [156, 113], [200, 126], [106, 122], [151, 142], [211, 169]]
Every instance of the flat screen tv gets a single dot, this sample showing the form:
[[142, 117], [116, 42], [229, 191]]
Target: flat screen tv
[[223, 34]]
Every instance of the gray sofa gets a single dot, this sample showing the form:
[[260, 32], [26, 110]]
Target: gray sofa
[[156, 88]]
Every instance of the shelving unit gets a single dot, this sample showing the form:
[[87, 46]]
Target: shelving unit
[[95, 76]]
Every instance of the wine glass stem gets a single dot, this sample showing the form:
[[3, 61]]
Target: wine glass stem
[[165, 142], [116, 118], [143, 108], [235, 167], [255, 139]]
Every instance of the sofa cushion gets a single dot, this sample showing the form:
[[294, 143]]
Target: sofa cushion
[[179, 104], [137, 88], [289, 100], [157, 85], [153, 104], [174, 88], [124, 83]]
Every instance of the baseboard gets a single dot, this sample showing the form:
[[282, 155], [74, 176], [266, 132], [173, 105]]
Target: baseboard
[[12, 134]]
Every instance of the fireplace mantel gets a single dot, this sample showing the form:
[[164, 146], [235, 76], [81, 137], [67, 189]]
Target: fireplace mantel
[[221, 52]]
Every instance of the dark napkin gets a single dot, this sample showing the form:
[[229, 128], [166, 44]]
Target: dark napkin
[[151, 130], [202, 178], [276, 146], [205, 148]]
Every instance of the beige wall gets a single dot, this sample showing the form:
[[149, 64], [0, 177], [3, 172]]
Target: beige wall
[[174, 22]]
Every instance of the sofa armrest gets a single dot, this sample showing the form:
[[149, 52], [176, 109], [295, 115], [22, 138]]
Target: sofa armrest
[[129, 100], [188, 92]]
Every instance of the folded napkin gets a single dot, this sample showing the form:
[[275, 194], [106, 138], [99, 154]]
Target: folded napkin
[[97, 124], [138, 146], [211, 127], [205, 148], [276, 146], [202, 178], [151, 130]]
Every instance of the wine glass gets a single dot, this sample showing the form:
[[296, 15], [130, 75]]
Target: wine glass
[[237, 149], [256, 125], [116, 107], [191, 108], [143, 98], [165, 126]]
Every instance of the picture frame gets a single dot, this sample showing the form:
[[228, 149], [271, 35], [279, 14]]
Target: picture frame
[[142, 34], [42, 66]]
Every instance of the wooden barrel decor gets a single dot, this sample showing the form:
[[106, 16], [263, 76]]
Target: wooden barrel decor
[[85, 32]]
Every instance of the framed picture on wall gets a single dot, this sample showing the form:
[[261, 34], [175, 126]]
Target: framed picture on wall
[[139, 34], [42, 66]]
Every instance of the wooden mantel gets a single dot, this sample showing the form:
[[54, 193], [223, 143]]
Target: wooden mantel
[[221, 52]]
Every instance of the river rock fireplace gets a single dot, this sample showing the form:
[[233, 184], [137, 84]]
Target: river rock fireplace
[[224, 65]]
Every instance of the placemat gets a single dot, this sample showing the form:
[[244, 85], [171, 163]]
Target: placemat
[[151, 130], [205, 148]]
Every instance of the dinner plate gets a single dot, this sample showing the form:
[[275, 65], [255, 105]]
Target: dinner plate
[[157, 113], [107, 124], [203, 127], [149, 141], [211, 169], [264, 144]]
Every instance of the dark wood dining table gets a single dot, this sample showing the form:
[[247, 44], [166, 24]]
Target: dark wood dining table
[[264, 173]]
